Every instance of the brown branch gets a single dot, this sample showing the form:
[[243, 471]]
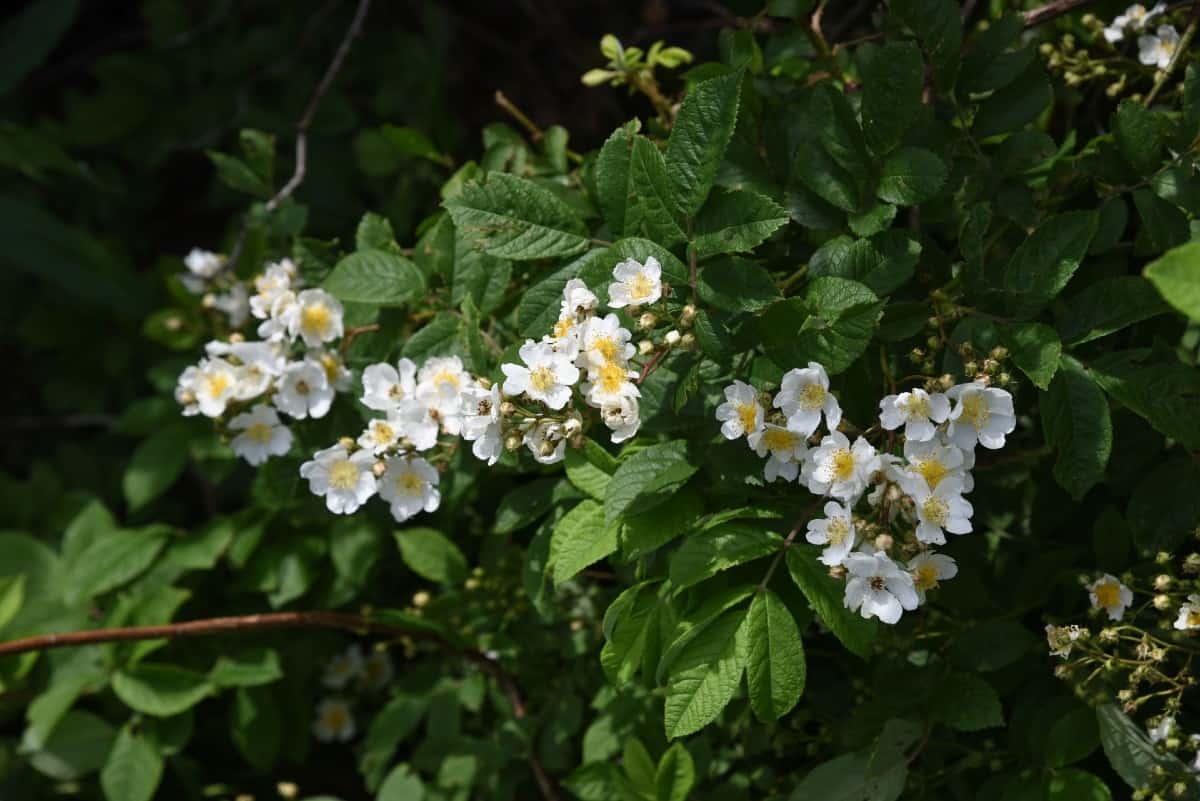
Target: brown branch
[[292, 620], [1180, 55], [652, 365], [302, 125], [787, 543], [1051, 10], [353, 333]]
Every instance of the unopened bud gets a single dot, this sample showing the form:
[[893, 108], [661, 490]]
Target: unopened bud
[[484, 382], [1046, 48], [645, 347], [672, 337], [1162, 602], [1162, 582], [572, 427], [236, 337], [547, 448], [916, 355], [347, 443], [471, 584], [513, 441], [884, 542], [187, 397], [999, 352], [687, 341], [990, 365], [647, 321], [420, 599], [209, 300], [687, 315], [837, 572], [970, 369], [932, 342], [378, 468], [507, 409], [1004, 379], [576, 625], [1162, 557], [634, 311], [287, 789]]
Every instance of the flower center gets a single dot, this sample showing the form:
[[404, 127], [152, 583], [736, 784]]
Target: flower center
[[779, 439], [410, 484], [843, 465], [315, 318], [975, 410], [343, 475], [259, 432], [935, 510], [606, 346], [1193, 618], [542, 378], [563, 327], [218, 383], [1108, 594], [837, 530], [812, 397], [302, 388], [446, 376], [1168, 47], [383, 434], [916, 407], [640, 287], [932, 471], [335, 718], [748, 414], [878, 583], [396, 392], [612, 376], [332, 366], [926, 576]]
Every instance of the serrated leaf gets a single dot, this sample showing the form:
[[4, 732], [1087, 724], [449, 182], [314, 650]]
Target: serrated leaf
[[402, 784], [432, 555], [1138, 137], [990, 64], [826, 597], [627, 624], [1176, 275], [133, 770], [644, 532], [541, 304], [660, 205], [256, 727], [396, 721], [114, 559], [1077, 423], [237, 175], [647, 478], [439, 337], [706, 675], [737, 221], [1044, 263], [1165, 507], [699, 137], [581, 538], [1015, 105], [891, 100], [706, 553], [160, 690], [514, 218], [590, 468], [833, 324], [736, 285], [1165, 394], [1036, 349], [965, 702], [939, 29], [775, 668], [1130, 751], [991, 645], [675, 776], [883, 263], [1107, 306], [375, 277], [615, 191], [910, 176]]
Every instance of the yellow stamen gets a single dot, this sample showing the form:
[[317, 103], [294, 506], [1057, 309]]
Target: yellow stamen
[[563, 327], [315, 319], [446, 376], [259, 432], [843, 465], [612, 376], [606, 346], [1108, 594], [837, 531], [926, 576], [932, 471], [916, 406], [975, 410], [343, 475], [383, 433], [936, 510], [542, 378], [640, 287], [812, 397], [748, 414], [218, 383], [409, 483], [779, 439]]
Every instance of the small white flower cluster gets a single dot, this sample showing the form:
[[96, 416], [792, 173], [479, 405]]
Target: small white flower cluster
[[206, 275], [1167, 728], [926, 487], [534, 407], [334, 720], [293, 370], [1154, 49]]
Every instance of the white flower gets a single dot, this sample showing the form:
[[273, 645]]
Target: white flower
[[378, 670], [1189, 614], [444, 403], [1062, 639], [235, 304], [381, 435], [578, 301], [804, 395], [1157, 51], [304, 391], [410, 486], [317, 317], [203, 266], [547, 376], [636, 284], [416, 423], [981, 414], [335, 721], [835, 530], [622, 418], [547, 442], [260, 364], [932, 462], [262, 435], [336, 372], [269, 285], [941, 509], [917, 411], [1135, 18], [1194, 742], [740, 414], [385, 386], [1109, 594], [877, 587], [481, 422], [837, 469], [786, 450], [283, 311], [610, 382], [209, 385], [1161, 730], [928, 568], [343, 668], [345, 479], [604, 341], [444, 370]]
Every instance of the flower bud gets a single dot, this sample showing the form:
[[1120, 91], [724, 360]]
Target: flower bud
[[645, 347], [999, 352], [1162, 558], [1108, 635], [513, 441], [484, 382], [287, 790], [187, 397], [916, 355], [420, 599], [347, 443], [571, 427], [837, 572], [547, 448], [687, 315], [378, 468], [672, 338], [209, 301], [636, 311], [932, 342], [647, 321], [687, 341], [1046, 48], [1162, 602], [1192, 563], [1004, 379], [1162, 582], [471, 584], [507, 409]]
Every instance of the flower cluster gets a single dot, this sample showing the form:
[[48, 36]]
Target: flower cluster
[[583, 362], [294, 369], [923, 491], [206, 276], [1154, 49], [346, 672]]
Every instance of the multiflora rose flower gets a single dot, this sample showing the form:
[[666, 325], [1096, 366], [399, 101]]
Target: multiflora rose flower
[[635, 284], [547, 376], [981, 414], [839, 469], [878, 587], [345, 479], [804, 396], [929, 568], [1109, 594], [917, 410], [740, 414], [410, 486], [835, 531], [260, 435]]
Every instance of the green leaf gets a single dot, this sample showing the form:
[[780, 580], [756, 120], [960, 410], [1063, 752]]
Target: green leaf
[[1076, 785], [821, 174], [990, 64], [374, 232], [1138, 137], [402, 785], [874, 220], [249, 668], [133, 770], [1015, 105], [738, 221], [825, 595], [706, 553], [541, 304], [1130, 751], [432, 555], [615, 191], [657, 198], [1107, 306], [590, 468], [29, 37], [884, 263], [1176, 275], [1044, 263], [1165, 507], [439, 337], [647, 531], [627, 628], [237, 175], [514, 218], [699, 137], [648, 478], [832, 324], [911, 176], [736, 285], [375, 277], [965, 702], [155, 465], [991, 645], [1072, 737], [857, 776], [525, 504], [1164, 225], [395, 722], [1165, 394], [706, 675], [775, 668], [411, 142], [1077, 423], [12, 595], [891, 99], [676, 774], [256, 726], [1036, 349], [114, 559], [78, 746], [581, 538], [939, 29], [160, 690]]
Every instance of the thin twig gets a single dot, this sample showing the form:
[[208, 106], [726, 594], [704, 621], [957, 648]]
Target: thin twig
[[302, 125], [787, 543], [652, 365], [291, 620], [1051, 10], [353, 333], [1178, 57], [535, 131]]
